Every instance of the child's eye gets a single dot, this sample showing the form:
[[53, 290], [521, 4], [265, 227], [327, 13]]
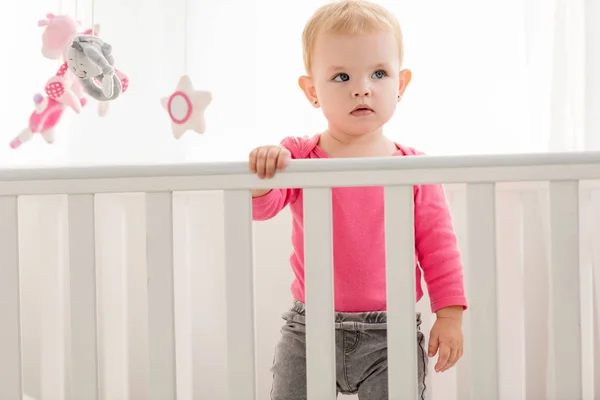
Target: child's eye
[[343, 77], [379, 74]]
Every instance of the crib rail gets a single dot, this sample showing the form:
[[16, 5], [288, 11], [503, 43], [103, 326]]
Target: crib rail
[[566, 173]]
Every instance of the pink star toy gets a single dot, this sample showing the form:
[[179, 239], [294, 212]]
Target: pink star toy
[[186, 107]]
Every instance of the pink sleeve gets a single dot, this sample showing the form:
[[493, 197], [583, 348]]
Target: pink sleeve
[[437, 248], [268, 206]]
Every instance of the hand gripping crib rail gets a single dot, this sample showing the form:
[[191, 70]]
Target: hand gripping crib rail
[[566, 173]]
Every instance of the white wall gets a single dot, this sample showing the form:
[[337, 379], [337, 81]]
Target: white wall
[[199, 280]]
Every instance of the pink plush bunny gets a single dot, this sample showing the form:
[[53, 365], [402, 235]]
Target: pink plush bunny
[[60, 30], [57, 37], [43, 120]]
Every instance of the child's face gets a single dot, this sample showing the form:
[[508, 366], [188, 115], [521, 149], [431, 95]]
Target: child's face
[[350, 71]]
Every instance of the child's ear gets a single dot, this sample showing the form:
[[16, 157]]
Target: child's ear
[[307, 86], [405, 77]]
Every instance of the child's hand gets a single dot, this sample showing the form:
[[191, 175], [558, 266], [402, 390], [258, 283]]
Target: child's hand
[[264, 161], [446, 337]]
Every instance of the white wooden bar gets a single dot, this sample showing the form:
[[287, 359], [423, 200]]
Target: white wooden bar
[[509, 275], [457, 198], [239, 286], [133, 225], [50, 235], [566, 293], [318, 278], [115, 322], [586, 285], [82, 279], [11, 387], [595, 246], [536, 288], [400, 290], [323, 173], [481, 222], [161, 299]]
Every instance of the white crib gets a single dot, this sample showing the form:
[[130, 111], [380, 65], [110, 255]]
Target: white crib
[[511, 338]]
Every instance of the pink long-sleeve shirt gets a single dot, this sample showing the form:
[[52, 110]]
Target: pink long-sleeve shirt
[[359, 239]]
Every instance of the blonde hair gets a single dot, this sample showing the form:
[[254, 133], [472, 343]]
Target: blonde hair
[[349, 17]]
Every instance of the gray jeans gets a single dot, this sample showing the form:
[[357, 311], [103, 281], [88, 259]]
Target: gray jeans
[[361, 356]]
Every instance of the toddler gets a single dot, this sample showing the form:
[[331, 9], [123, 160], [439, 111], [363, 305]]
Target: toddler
[[353, 53]]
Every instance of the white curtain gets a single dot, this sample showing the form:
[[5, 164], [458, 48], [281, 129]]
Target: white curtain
[[489, 77]]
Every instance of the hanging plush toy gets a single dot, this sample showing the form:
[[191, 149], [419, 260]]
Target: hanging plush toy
[[91, 60], [43, 120], [186, 107], [65, 87], [57, 36]]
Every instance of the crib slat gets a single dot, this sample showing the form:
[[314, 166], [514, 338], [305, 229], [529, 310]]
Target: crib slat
[[566, 293], [82, 276], [161, 297], [10, 333], [318, 277], [595, 254], [536, 290], [481, 222], [239, 286], [400, 289]]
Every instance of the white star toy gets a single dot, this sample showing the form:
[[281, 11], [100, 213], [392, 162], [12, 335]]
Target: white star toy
[[186, 107]]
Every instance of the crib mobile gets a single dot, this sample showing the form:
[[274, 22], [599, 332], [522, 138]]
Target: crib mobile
[[186, 105], [87, 68]]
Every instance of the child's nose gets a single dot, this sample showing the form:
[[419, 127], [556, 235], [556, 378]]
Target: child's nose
[[362, 93]]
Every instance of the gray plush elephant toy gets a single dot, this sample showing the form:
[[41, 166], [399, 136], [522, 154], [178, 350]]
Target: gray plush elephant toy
[[91, 60]]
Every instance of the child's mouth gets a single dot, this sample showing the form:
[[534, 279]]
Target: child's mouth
[[361, 111]]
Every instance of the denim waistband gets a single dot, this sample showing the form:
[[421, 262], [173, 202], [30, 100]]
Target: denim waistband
[[347, 320]]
